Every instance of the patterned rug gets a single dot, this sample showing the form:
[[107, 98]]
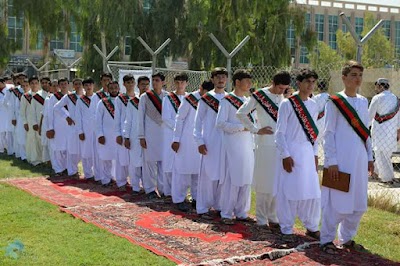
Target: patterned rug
[[182, 237]]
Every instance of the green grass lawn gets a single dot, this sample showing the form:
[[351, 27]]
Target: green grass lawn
[[54, 238]]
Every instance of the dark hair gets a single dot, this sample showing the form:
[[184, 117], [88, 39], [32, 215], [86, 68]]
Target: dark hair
[[21, 74], [282, 78], [142, 78], [2, 80], [219, 70], [128, 77], [207, 85], [45, 78], [181, 76], [106, 74], [33, 78], [241, 74], [306, 73], [350, 65], [62, 80], [76, 79], [88, 80], [158, 74], [112, 82]]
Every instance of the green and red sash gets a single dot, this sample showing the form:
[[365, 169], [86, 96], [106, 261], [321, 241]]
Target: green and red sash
[[211, 101], [73, 97], [17, 93], [351, 116], [305, 119], [155, 99], [58, 95], [124, 98], [175, 101], [101, 94], [237, 102], [192, 100], [321, 114], [108, 104], [39, 98], [28, 97], [86, 100], [135, 102], [383, 118], [266, 103]]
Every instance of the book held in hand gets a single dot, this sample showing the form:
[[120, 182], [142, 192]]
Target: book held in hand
[[343, 184]]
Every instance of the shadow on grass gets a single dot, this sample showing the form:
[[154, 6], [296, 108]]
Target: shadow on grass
[[13, 167]]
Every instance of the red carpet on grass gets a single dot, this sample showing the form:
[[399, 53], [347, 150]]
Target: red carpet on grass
[[181, 237]]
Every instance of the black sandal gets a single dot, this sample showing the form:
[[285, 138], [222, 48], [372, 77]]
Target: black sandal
[[352, 245], [329, 248]]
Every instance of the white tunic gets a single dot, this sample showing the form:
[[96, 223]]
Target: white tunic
[[84, 124], [8, 99], [206, 133], [120, 115], [302, 183], [384, 135], [266, 154], [45, 126], [3, 112], [238, 155], [57, 123], [105, 127], [321, 100], [343, 147], [131, 131], [19, 130], [187, 159]]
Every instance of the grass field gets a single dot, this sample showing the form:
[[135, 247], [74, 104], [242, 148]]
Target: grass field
[[54, 238]]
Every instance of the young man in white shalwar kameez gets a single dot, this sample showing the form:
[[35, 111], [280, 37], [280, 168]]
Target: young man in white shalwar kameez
[[266, 103], [237, 163], [209, 142], [20, 132], [105, 133], [185, 172], [347, 147], [384, 118], [46, 91], [150, 136], [170, 108], [3, 113], [297, 186], [10, 129], [131, 142], [121, 105], [44, 123], [85, 117]]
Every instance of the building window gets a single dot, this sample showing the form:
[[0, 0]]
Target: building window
[[386, 28], [15, 25], [304, 55], [344, 27], [58, 41], [319, 26], [291, 39], [39, 41], [359, 26], [397, 37], [75, 38], [128, 47], [333, 27]]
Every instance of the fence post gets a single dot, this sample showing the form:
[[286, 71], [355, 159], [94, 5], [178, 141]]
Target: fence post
[[105, 57], [38, 70], [68, 66], [154, 53]]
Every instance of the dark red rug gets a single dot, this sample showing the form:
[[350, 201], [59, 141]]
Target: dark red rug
[[182, 237]]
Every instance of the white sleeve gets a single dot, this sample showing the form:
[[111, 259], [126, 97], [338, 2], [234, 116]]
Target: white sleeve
[[127, 126], [223, 118], [331, 116], [117, 116], [244, 111], [281, 128], [142, 116], [167, 111], [198, 122], [59, 107], [99, 119], [78, 116], [180, 118]]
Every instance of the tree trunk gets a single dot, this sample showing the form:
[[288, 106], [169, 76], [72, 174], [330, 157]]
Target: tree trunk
[[46, 51], [103, 49]]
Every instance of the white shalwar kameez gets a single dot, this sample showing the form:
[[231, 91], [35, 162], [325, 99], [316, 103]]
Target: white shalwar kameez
[[131, 131], [168, 117], [3, 122], [47, 152], [10, 129], [384, 135], [298, 193], [20, 133], [185, 172], [150, 129], [85, 117], [237, 162], [205, 133], [343, 147], [122, 162], [265, 167], [38, 107]]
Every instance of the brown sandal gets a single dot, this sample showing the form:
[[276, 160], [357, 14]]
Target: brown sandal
[[329, 248], [352, 245]]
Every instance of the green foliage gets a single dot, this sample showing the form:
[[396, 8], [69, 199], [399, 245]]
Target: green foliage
[[323, 60]]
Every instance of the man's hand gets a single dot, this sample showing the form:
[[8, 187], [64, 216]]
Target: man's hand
[[316, 162], [175, 146], [143, 143], [50, 134], [102, 140], [288, 164], [36, 127], [82, 136], [119, 140], [70, 121], [371, 167], [265, 131], [26, 127], [203, 149], [333, 172], [14, 122], [127, 144]]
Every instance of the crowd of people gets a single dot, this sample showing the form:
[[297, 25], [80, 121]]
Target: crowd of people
[[214, 143]]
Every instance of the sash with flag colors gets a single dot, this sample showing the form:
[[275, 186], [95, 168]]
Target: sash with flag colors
[[267, 104]]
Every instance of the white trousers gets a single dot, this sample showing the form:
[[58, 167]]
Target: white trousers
[[308, 211], [384, 166], [10, 142], [135, 174], [46, 153], [121, 174], [20, 151], [107, 168], [59, 161], [180, 184], [167, 182], [72, 163], [153, 176], [348, 224], [234, 200], [265, 208], [96, 160], [87, 165], [3, 141], [208, 193]]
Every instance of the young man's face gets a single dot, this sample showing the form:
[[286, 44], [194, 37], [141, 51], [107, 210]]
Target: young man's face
[[307, 85], [113, 89], [129, 85], [88, 88], [25, 86], [180, 84], [63, 85], [378, 88], [143, 86], [281, 88], [45, 84], [157, 83], [53, 87], [77, 85], [34, 84], [244, 84], [219, 81], [104, 82], [353, 79]]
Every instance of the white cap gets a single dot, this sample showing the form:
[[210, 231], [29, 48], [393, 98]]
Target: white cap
[[381, 81]]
